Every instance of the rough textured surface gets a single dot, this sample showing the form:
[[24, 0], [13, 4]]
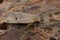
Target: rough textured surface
[[20, 18], [11, 35]]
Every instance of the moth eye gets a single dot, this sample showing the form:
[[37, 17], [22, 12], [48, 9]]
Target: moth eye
[[3, 26], [1, 1]]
